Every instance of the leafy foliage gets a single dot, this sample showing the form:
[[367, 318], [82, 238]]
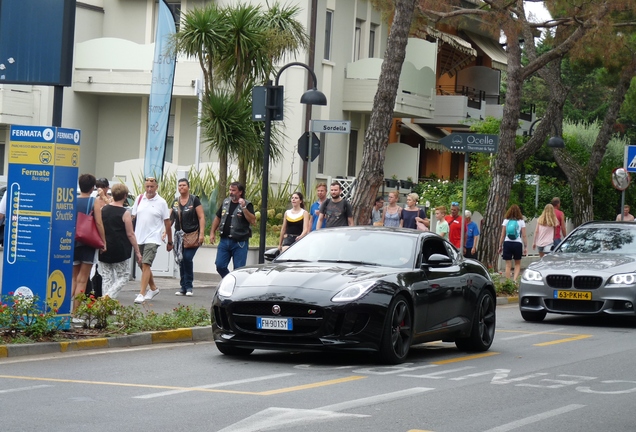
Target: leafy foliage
[[21, 318]]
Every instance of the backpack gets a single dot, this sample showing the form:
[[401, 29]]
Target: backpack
[[511, 229]]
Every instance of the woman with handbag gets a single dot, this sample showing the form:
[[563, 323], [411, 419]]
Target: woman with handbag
[[89, 236], [189, 223]]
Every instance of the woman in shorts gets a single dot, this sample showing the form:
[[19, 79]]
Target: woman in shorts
[[513, 245]]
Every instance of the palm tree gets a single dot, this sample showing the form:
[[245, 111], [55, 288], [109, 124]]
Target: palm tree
[[237, 47]]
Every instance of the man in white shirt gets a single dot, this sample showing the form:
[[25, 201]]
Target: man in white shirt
[[152, 217]]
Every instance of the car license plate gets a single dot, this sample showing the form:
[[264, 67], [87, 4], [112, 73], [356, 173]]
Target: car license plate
[[572, 295], [266, 323]]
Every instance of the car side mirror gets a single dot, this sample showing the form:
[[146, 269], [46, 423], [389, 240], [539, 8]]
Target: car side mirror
[[438, 260], [271, 254]]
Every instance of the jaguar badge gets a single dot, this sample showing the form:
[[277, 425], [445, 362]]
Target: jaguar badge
[[276, 310]]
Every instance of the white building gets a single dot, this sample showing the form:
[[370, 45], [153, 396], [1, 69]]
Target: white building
[[113, 55]]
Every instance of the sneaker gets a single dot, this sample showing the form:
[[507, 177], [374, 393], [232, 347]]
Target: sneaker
[[189, 293], [179, 293], [139, 299], [77, 320], [151, 294]]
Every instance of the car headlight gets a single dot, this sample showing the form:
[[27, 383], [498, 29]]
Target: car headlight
[[353, 292], [226, 287], [622, 279], [532, 275]]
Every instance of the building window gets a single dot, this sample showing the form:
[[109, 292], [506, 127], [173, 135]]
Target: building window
[[170, 140], [357, 40], [353, 151], [175, 8], [372, 41], [328, 34]]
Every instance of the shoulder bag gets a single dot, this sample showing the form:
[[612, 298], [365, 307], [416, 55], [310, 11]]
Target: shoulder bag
[[85, 229], [191, 239]]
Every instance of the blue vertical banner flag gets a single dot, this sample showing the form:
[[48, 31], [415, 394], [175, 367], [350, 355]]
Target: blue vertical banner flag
[[160, 94], [41, 214]]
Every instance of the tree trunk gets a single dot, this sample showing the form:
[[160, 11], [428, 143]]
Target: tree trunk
[[371, 173], [222, 178], [504, 164]]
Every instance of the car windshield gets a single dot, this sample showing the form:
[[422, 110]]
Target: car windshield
[[617, 240], [360, 247]]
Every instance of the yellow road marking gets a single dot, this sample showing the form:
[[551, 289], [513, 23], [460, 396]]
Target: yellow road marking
[[198, 389], [575, 338], [466, 358], [314, 385]]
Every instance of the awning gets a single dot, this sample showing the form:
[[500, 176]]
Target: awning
[[492, 49], [431, 135], [454, 52]]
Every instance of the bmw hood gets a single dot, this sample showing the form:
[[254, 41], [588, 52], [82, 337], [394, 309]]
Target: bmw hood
[[585, 263]]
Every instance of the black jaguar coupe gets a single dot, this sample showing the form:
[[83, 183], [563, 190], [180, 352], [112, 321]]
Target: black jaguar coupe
[[357, 288]]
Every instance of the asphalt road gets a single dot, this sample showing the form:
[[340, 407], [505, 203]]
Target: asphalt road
[[568, 374]]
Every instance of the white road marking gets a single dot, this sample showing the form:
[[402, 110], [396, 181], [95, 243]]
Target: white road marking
[[525, 335], [373, 400], [535, 418], [277, 418], [24, 388], [217, 385]]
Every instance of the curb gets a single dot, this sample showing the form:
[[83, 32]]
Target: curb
[[193, 334], [507, 300]]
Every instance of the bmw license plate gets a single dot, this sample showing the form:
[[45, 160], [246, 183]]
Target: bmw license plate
[[572, 295], [266, 323]]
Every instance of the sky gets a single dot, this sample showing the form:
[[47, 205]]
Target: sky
[[537, 9]]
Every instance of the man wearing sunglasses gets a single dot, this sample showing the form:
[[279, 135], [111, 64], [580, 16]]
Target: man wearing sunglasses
[[152, 218], [454, 225]]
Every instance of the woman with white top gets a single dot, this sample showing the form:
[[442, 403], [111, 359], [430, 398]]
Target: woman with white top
[[544, 233], [513, 243], [392, 216], [295, 223]]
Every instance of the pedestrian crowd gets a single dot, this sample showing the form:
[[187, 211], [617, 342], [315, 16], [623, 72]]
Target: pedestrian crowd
[[152, 223]]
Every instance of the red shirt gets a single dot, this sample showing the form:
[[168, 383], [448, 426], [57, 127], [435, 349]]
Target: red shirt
[[560, 217], [454, 230]]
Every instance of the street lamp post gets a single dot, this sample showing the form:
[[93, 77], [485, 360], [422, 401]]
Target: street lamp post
[[274, 98]]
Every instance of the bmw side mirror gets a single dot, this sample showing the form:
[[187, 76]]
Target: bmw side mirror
[[271, 254]]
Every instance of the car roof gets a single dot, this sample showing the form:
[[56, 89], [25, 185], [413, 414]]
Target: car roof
[[620, 224], [408, 231]]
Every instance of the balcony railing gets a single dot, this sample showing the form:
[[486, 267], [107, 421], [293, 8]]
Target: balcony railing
[[474, 96]]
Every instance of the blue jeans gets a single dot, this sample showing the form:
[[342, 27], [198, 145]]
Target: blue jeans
[[230, 249], [556, 242], [186, 269]]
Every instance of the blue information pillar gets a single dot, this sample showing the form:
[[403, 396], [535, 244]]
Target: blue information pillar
[[40, 227]]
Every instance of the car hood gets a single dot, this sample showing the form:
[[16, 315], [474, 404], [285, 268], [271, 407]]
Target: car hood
[[297, 279], [570, 262]]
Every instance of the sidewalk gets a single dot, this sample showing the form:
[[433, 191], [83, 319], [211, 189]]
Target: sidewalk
[[166, 300]]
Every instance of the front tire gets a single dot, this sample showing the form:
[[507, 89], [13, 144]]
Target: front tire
[[533, 316], [232, 350], [482, 332], [397, 333]]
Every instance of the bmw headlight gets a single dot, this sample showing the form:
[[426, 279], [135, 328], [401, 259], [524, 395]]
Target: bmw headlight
[[532, 276], [353, 292], [622, 279], [226, 287]]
